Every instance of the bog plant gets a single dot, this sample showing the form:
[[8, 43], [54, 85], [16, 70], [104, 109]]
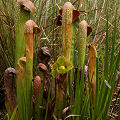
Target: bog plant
[[22, 14], [20, 82], [69, 20], [30, 29], [59, 92], [92, 69]]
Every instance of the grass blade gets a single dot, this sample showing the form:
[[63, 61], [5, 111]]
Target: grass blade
[[14, 113]]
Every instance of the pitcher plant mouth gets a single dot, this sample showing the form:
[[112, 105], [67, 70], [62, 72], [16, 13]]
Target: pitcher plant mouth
[[31, 27], [27, 5], [89, 30], [75, 13], [20, 79]]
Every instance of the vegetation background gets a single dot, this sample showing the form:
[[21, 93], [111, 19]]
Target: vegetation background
[[93, 11]]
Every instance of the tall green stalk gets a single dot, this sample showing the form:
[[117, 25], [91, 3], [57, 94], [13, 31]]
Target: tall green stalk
[[22, 14], [30, 29]]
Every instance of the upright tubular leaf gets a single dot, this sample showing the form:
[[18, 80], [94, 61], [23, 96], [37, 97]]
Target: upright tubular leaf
[[92, 68], [10, 90], [36, 94], [20, 80], [69, 15], [84, 29], [22, 14], [30, 28]]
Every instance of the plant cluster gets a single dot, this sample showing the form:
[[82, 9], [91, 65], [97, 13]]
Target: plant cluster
[[69, 88]]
